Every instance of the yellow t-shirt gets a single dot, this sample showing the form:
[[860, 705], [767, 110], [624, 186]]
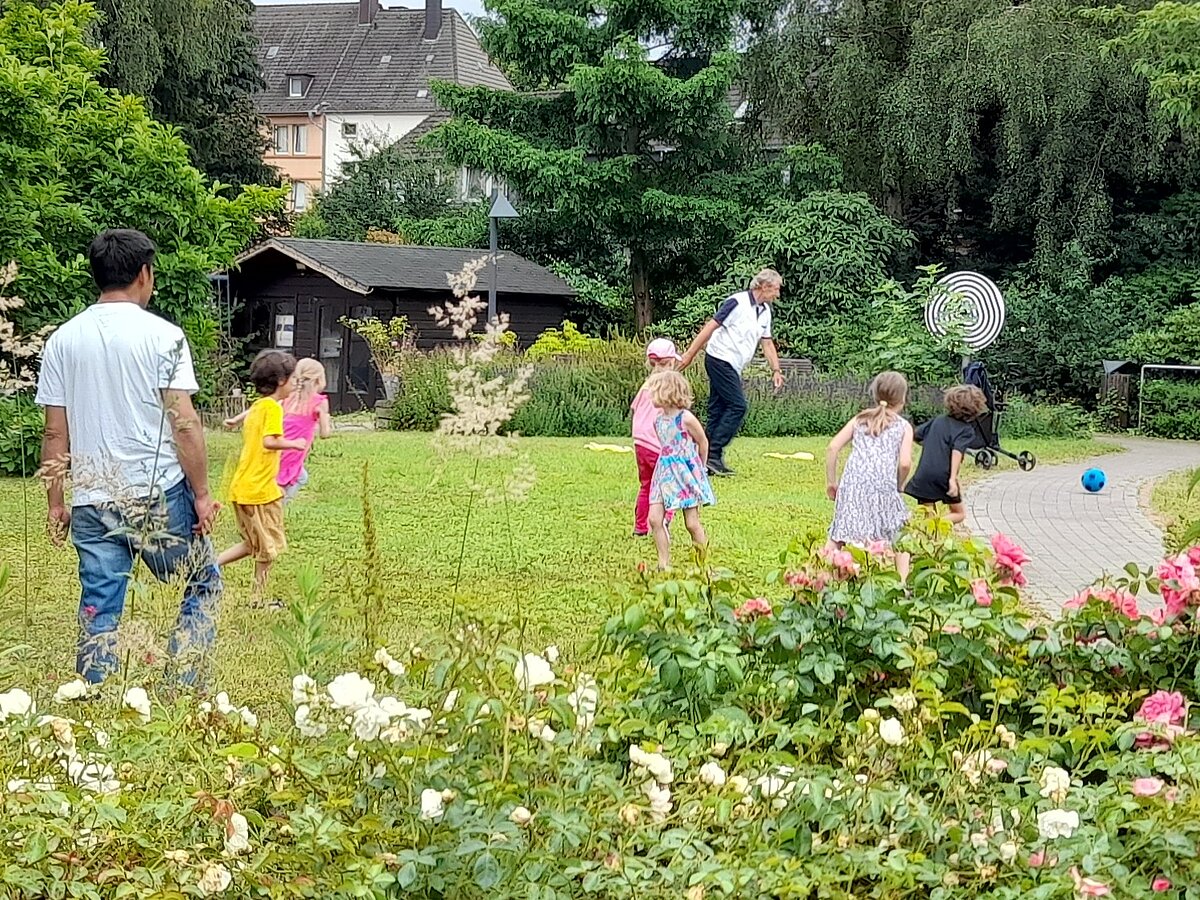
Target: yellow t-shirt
[[255, 479]]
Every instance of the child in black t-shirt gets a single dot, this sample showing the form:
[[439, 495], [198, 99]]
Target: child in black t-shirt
[[944, 441]]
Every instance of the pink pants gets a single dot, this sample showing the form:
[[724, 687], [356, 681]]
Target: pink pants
[[647, 459]]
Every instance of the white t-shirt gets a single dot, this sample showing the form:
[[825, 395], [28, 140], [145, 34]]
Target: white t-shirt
[[744, 325], [108, 367]]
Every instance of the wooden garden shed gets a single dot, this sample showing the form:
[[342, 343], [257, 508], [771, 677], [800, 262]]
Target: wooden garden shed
[[291, 293]]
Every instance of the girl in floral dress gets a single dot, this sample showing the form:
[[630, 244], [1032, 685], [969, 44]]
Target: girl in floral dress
[[869, 509], [680, 482]]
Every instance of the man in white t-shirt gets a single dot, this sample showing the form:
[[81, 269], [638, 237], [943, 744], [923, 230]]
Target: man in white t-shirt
[[730, 339], [116, 384]]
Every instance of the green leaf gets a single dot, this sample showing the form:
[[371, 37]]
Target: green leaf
[[243, 750], [487, 871]]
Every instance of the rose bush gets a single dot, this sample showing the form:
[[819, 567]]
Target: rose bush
[[845, 735]]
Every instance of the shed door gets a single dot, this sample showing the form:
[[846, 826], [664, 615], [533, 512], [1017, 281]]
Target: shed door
[[352, 382]]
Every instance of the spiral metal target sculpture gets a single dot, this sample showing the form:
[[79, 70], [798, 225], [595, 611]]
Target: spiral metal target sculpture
[[984, 308]]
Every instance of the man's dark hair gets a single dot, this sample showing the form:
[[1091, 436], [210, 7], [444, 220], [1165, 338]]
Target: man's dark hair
[[118, 257], [270, 369]]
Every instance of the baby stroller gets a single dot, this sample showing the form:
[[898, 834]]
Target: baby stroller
[[987, 426]]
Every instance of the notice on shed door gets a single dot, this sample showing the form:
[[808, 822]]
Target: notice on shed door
[[285, 332]]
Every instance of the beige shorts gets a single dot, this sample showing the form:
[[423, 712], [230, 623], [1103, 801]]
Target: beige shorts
[[261, 526]]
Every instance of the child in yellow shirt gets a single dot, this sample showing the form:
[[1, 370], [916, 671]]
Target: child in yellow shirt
[[255, 493]]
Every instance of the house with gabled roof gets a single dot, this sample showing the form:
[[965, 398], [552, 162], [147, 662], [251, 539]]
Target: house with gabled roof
[[341, 74]]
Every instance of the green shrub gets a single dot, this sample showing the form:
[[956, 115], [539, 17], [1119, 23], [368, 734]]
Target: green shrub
[[567, 341], [1027, 419], [21, 424], [1171, 408], [844, 728]]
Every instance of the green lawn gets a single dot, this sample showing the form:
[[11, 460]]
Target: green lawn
[[553, 560]]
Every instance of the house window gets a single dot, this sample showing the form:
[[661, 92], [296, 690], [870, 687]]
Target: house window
[[349, 129], [281, 140], [299, 196], [297, 86], [474, 185], [300, 139]]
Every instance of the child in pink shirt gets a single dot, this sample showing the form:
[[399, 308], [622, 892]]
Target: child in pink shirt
[[305, 416], [661, 355]]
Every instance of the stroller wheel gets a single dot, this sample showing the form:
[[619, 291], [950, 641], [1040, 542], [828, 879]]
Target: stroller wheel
[[985, 458], [1026, 461]]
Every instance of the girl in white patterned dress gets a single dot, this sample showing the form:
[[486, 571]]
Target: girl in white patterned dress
[[868, 507]]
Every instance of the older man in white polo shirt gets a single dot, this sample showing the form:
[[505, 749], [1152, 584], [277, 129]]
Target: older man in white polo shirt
[[732, 337]]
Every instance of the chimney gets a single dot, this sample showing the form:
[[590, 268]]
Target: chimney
[[433, 19], [366, 11]]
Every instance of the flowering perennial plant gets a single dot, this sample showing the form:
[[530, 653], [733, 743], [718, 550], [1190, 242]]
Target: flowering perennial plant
[[867, 738]]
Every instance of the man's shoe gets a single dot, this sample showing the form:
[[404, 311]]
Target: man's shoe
[[718, 468]]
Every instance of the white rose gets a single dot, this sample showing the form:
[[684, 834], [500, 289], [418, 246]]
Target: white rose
[[979, 840], [304, 690], [1057, 823], [237, 835], [137, 700], [1056, 783], [384, 660], [520, 816], [770, 785], [72, 690], [712, 773], [450, 701], [739, 783], [224, 707], [432, 805], [94, 777], [584, 700], [871, 715], [214, 880], [905, 702], [660, 800], [532, 671], [248, 717], [306, 726], [350, 691], [546, 734], [369, 720], [15, 703], [891, 732], [551, 654], [1008, 851]]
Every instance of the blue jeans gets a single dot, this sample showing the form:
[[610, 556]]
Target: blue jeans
[[109, 542]]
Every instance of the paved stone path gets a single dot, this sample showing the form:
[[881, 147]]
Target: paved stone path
[[1071, 536]]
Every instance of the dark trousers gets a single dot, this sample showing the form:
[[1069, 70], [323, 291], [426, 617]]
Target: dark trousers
[[726, 405]]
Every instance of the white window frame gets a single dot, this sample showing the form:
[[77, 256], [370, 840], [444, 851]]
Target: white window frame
[[296, 87], [286, 148], [300, 196], [300, 140]]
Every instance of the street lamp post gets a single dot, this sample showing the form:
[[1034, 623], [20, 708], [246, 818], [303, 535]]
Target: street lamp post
[[501, 209]]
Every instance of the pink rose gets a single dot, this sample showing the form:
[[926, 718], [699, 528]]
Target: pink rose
[[1088, 887], [983, 596], [843, 561], [1160, 884], [1147, 787], [951, 629], [1171, 795], [1037, 859], [752, 609], [1159, 616], [1163, 708], [1008, 561], [879, 548]]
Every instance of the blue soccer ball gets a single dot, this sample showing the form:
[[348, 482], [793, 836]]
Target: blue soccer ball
[[1093, 481]]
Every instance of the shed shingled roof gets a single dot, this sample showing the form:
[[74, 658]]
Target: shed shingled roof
[[363, 266], [345, 59]]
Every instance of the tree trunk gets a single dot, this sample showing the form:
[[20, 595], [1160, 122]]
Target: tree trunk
[[643, 304]]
